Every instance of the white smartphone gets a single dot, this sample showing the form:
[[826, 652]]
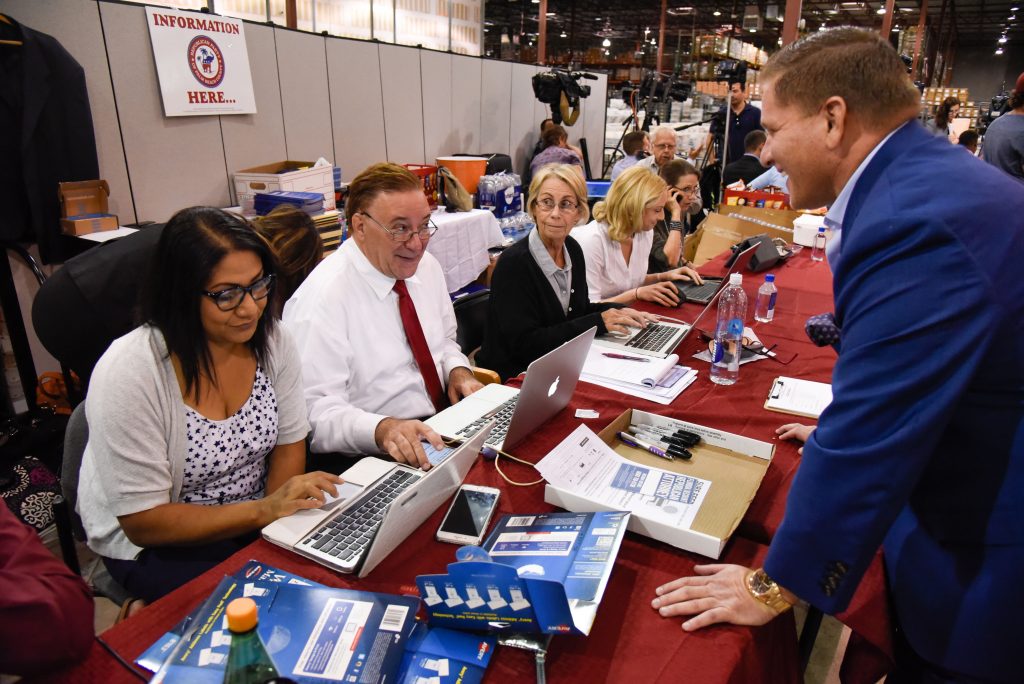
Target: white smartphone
[[469, 515]]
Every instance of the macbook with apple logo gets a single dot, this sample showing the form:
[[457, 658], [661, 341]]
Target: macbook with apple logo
[[547, 388]]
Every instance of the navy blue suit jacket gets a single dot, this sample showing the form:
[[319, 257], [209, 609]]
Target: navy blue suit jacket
[[922, 447]]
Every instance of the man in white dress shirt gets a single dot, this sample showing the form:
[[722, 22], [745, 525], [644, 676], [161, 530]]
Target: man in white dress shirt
[[365, 385]]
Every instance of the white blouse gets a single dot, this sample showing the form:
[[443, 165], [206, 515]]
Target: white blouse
[[608, 274]]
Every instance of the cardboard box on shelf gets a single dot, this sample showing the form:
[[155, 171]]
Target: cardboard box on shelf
[[299, 176], [732, 463], [83, 207]]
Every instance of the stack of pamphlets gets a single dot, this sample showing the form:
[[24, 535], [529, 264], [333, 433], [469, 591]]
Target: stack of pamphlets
[[309, 202], [328, 224], [647, 377]]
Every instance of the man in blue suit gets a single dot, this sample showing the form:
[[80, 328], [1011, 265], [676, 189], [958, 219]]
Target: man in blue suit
[[922, 448]]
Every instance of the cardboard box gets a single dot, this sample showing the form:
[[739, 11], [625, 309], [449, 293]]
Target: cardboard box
[[83, 207], [720, 232], [734, 464], [300, 176]]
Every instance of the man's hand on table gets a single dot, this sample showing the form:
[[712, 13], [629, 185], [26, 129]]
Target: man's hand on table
[[401, 439], [461, 383], [795, 431], [718, 593]]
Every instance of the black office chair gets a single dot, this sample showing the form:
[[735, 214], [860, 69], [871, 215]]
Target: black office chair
[[471, 315]]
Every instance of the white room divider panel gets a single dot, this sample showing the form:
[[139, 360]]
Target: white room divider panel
[[302, 65], [436, 73], [465, 121], [357, 106], [403, 103], [77, 27], [523, 122], [495, 101], [254, 139], [594, 112], [174, 162]]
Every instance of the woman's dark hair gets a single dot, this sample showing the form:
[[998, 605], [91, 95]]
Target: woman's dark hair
[[553, 136], [943, 110], [676, 169], [192, 244], [297, 245]]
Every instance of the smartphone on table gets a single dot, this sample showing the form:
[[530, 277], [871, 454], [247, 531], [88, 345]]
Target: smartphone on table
[[469, 515]]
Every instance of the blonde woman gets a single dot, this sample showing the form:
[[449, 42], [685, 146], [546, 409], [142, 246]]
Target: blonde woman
[[539, 289], [617, 243]]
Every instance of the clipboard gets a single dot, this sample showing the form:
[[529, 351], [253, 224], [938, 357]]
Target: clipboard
[[797, 397]]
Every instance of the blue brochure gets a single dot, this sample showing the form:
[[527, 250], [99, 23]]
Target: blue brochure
[[536, 573], [445, 656], [312, 633]]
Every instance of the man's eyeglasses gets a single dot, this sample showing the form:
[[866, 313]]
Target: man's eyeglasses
[[403, 233], [231, 298], [548, 204]]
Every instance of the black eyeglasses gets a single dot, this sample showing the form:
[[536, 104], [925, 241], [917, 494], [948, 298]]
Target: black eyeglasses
[[231, 298], [402, 232]]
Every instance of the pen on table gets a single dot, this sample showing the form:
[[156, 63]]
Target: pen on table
[[657, 437], [688, 438], [625, 357], [640, 444], [674, 446]]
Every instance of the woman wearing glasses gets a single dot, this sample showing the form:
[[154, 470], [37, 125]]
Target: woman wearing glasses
[[683, 181], [617, 243], [539, 294], [196, 418]]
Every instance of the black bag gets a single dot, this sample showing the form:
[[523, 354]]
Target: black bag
[[768, 253]]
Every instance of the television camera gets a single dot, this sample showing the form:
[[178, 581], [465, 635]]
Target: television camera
[[561, 90]]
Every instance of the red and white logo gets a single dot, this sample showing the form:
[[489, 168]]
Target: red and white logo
[[206, 61]]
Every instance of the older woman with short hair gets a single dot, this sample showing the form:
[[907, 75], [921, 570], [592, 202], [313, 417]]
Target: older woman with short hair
[[617, 243], [539, 297]]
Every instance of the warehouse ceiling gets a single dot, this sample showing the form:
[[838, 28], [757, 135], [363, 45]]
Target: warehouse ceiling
[[586, 23]]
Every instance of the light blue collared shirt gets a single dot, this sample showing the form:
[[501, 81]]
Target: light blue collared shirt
[[837, 212], [772, 177]]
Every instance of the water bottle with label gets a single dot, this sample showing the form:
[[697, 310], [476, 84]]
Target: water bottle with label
[[764, 308], [818, 250], [728, 342]]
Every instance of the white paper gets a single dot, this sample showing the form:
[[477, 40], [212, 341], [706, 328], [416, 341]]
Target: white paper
[[584, 465], [800, 397], [645, 370], [660, 395]]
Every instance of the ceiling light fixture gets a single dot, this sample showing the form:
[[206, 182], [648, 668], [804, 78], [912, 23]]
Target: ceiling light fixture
[[1002, 40], [717, 13], [880, 10], [606, 43], [562, 35], [999, 51]]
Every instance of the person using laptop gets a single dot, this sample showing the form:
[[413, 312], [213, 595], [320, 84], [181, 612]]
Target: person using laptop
[[617, 243], [196, 421], [375, 327], [683, 181], [539, 298]]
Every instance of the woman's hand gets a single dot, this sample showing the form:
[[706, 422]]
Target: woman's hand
[[676, 205], [618, 320], [717, 594], [683, 273], [664, 293], [301, 492], [795, 431]]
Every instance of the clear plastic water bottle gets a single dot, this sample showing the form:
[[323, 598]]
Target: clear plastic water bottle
[[818, 250], [764, 307], [728, 346]]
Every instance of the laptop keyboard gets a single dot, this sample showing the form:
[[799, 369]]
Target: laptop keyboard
[[341, 540], [653, 338], [501, 416], [702, 292]]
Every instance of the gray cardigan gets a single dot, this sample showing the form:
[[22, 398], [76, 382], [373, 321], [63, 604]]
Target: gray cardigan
[[136, 452]]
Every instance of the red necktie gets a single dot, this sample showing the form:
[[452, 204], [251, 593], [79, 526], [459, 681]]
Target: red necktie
[[418, 344]]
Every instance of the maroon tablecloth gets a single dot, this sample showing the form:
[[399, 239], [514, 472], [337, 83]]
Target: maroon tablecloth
[[629, 640]]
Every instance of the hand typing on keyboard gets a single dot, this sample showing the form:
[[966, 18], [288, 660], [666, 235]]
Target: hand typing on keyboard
[[309, 490], [621, 321], [401, 439]]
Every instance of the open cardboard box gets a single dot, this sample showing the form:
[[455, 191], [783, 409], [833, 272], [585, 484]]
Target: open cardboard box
[[732, 463], [720, 232], [298, 176], [83, 207]]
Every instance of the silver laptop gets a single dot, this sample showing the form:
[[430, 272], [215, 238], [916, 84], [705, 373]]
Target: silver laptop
[[703, 293], [547, 388], [378, 506]]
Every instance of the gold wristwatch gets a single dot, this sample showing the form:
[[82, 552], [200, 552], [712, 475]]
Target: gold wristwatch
[[764, 589]]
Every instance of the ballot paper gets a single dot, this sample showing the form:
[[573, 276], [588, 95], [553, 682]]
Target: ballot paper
[[670, 387], [584, 465], [636, 369]]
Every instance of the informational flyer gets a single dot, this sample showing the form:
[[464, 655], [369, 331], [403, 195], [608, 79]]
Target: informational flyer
[[202, 63], [586, 466]]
